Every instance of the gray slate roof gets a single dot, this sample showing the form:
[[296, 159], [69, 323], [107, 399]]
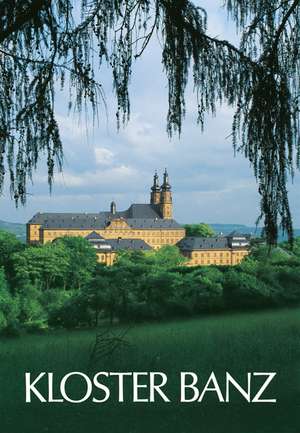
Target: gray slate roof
[[129, 244], [143, 216], [202, 243], [137, 211], [120, 244], [211, 243]]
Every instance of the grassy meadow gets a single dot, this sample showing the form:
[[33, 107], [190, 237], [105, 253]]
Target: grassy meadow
[[238, 343]]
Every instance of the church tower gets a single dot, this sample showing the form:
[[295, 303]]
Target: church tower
[[166, 207], [155, 190]]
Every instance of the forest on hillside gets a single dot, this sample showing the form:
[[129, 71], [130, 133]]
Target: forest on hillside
[[61, 285]]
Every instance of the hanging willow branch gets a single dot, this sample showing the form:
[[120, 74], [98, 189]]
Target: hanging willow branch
[[44, 42]]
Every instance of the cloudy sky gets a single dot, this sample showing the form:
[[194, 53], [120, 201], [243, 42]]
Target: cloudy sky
[[101, 164]]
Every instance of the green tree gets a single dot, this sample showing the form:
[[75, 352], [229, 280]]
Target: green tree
[[157, 295], [294, 249], [289, 279], [243, 290], [112, 290], [203, 290], [46, 42], [202, 230], [53, 300], [3, 282], [102, 296], [32, 314], [9, 245], [168, 256], [249, 265], [73, 313], [82, 259], [9, 306], [131, 257], [273, 255], [44, 267]]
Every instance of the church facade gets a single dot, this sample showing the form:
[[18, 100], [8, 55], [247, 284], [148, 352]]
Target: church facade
[[140, 227]]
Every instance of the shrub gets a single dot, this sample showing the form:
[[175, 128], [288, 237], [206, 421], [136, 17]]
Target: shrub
[[245, 290]]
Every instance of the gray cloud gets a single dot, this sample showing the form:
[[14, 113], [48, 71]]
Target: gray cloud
[[101, 164]]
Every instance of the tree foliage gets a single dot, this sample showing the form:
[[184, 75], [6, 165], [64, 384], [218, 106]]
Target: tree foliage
[[202, 230], [167, 256], [9, 244], [44, 42], [44, 266], [83, 260], [45, 291], [8, 305]]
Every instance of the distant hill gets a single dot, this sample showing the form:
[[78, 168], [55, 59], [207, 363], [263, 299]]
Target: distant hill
[[227, 228], [18, 229]]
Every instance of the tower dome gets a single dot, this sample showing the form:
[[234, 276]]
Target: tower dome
[[113, 208], [155, 190], [166, 185], [166, 207]]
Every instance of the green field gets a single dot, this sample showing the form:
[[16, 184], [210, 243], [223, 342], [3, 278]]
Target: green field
[[267, 341]]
